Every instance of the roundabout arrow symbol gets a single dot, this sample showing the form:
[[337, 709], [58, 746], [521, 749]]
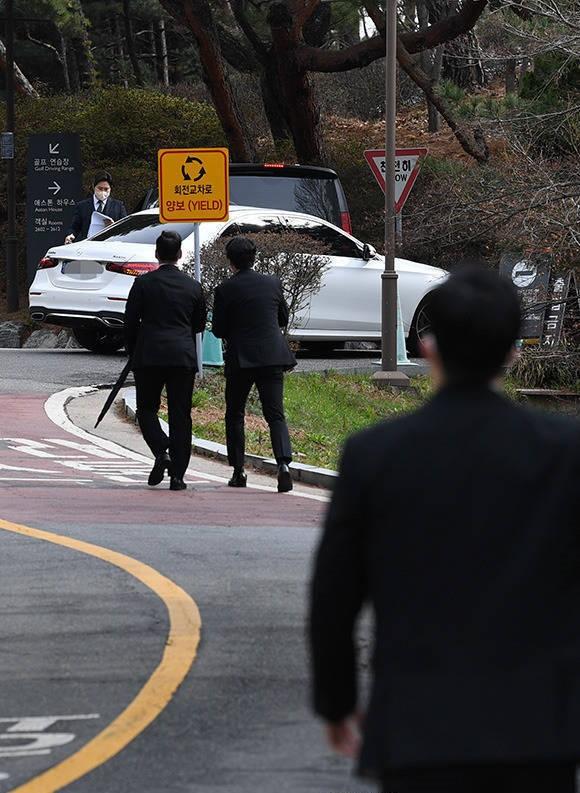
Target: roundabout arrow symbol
[[184, 171]]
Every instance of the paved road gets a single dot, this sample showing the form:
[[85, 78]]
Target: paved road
[[86, 631], [45, 371]]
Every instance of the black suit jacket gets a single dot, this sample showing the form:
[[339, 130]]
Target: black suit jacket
[[165, 309], [460, 526], [249, 310], [84, 210]]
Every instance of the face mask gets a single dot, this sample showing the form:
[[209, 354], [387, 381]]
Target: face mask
[[102, 195]]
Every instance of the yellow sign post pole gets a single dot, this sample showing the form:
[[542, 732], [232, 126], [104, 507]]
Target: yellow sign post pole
[[194, 187]]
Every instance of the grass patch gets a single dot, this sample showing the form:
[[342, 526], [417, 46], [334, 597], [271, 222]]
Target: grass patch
[[322, 410]]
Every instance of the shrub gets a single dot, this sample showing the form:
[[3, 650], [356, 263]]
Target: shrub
[[120, 130], [298, 261], [538, 367]]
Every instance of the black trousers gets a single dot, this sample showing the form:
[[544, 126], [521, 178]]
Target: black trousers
[[178, 381], [540, 778], [269, 381]]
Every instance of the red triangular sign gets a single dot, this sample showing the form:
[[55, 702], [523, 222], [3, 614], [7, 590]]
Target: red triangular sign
[[407, 165]]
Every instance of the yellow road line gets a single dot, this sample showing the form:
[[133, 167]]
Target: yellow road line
[[178, 656]]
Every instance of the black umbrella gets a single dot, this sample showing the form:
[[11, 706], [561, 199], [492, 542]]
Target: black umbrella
[[114, 391]]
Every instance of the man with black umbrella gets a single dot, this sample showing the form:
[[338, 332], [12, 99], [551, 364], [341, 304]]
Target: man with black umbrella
[[165, 310]]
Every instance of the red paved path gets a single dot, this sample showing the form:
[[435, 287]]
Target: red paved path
[[102, 500]]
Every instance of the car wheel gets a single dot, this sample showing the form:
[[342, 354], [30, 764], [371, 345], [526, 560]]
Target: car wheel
[[97, 340], [420, 327]]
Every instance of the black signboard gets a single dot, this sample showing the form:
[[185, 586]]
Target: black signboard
[[530, 274], [54, 186], [562, 315]]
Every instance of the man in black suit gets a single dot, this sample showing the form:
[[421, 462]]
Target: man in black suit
[[165, 310], [249, 312], [83, 224], [459, 525]]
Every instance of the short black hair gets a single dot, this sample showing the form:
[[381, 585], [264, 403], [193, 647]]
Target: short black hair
[[168, 246], [103, 176], [475, 318], [241, 252]]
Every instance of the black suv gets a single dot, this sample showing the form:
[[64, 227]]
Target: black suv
[[298, 188]]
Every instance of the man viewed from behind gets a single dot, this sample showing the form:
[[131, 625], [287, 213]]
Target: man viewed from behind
[[165, 310], [459, 525], [249, 311]]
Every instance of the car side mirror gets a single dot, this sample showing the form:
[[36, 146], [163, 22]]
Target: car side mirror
[[368, 252]]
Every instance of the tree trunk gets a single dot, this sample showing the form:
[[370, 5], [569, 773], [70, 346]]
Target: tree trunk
[[295, 89], [163, 69], [86, 65], [73, 64], [153, 53], [197, 15], [21, 83], [64, 60], [434, 119], [130, 42], [273, 108], [511, 82], [471, 140], [432, 60], [462, 62], [120, 52]]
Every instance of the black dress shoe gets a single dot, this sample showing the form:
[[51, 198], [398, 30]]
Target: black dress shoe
[[284, 479], [239, 478], [177, 484], [162, 464]]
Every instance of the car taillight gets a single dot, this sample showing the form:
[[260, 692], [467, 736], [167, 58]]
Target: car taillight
[[345, 223], [274, 165], [47, 262], [131, 268]]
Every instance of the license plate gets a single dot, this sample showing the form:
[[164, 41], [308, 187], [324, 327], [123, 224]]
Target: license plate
[[82, 270]]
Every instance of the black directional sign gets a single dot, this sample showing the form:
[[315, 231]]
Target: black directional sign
[[54, 186]]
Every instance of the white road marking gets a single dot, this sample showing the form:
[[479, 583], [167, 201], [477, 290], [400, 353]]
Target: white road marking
[[44, 479], [31, 730], [27, 470], [108, 465], [55, 409], [87, 448]]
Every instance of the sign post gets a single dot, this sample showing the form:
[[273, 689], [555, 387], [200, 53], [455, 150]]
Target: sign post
[[194, 188], [12, 298], [389, 374], [54, 185]]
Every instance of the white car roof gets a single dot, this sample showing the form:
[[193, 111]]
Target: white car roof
[[240, 209]]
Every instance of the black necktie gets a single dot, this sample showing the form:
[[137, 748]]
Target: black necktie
[[99, 206]]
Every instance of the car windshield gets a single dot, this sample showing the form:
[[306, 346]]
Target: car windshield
[[142, 229], [298, 194]]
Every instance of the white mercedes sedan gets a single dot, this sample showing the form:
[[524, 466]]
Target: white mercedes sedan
[[84, 286]]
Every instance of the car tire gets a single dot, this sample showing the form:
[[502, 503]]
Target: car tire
[[420, 326], [97, 340]]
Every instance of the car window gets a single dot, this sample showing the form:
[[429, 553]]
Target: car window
[[142, 229], [338, 244], [297, 194], [256, 225]]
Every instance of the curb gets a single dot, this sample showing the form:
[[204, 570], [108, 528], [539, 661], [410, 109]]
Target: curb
[[307, 474]]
